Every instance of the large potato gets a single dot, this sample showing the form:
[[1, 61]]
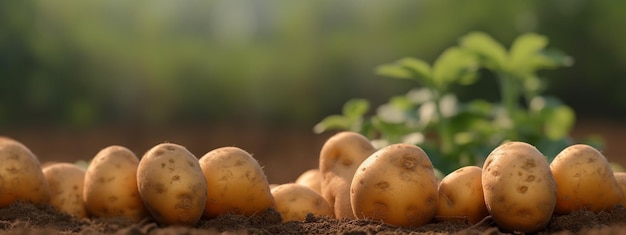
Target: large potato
[[110, 187], [461, 196], [21, 176], [585, 180], [311, 178], [295, 201], [171, 184], [520, 192], [66, 188], [397, 185], [339, 158], [236, 182]]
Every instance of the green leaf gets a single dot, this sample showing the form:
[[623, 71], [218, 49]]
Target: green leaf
[[397, 110], [336, 122], [393, 132], [355, 108], [401, 102], [489, 50], [559, 122], [452, 65], [393, 71], [406, 68], [559, 56], [420, 95], [419, 68], [524, 50], [550, 59]]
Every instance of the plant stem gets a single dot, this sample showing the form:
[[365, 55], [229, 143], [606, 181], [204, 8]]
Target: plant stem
[[509, 92], [443, 127]]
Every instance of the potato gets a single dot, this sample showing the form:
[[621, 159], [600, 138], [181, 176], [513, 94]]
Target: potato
[[311, 178], [585, 180], [171, 184], [461, 196], [520, 192], [620, 177], [340, 156], [66, 188], [397, 185], [295, 201], [237, 184], [21, 176], [110, 187]]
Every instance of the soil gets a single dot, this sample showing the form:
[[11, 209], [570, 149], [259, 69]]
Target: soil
[[298, 151], [23, 218]]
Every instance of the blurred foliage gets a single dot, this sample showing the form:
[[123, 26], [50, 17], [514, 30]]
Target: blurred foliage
[[459, 133], [81, 63]]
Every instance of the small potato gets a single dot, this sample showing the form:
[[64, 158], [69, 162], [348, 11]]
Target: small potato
[[21, 176], [620, 177], [171, 184], [520, 192], [236, 182], [397, 185], [295, 201], [110, 187], [461, 196], [311, 178], [585, 180], [339, 159], [66, 188]]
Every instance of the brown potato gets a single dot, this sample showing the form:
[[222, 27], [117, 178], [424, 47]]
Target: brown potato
[[461, 196], [66, 188], [520, 192], [236, 182], [110, 187], [339, 159], [585, 180], [295, 201], [396, 185], [311, 178], [21, 176], [171, 184]]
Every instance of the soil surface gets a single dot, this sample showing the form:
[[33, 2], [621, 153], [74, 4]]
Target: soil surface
[[23, 218], [285, 153]]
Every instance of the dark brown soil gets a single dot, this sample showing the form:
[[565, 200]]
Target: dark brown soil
[[23, 218]]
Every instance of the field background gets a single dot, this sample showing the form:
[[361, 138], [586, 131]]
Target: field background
[[77, 76]]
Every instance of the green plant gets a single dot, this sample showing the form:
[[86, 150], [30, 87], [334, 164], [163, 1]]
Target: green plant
[[457, 133]]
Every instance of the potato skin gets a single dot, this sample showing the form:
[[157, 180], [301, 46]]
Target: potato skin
[[21, 176], [295, 201], [340, 157], [236, 183], [110, 186], [585, 180], [397, 185], [171, 184], [620, 177], [461, 196], [519, 190], [311, 178], [66, 188]]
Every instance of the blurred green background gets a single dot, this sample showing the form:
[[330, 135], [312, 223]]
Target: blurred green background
[[161, 63]]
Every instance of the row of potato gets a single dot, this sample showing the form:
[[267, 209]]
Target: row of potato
[[396, 184]]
